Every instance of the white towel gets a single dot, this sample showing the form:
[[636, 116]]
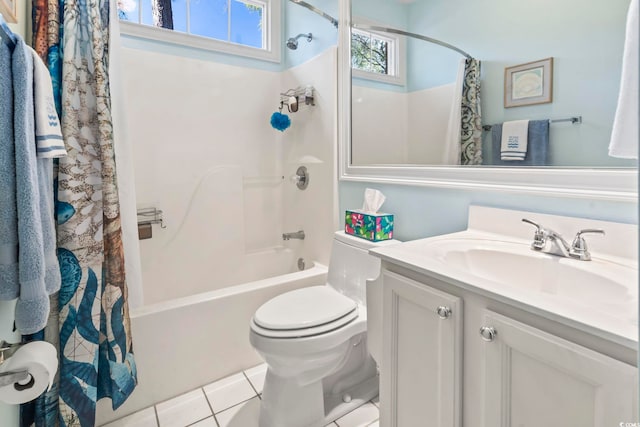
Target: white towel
[[514, 140], [624, 136], [49, 142]]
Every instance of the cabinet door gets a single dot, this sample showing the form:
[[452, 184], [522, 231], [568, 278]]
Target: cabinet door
[[421, 364], [536, 379]]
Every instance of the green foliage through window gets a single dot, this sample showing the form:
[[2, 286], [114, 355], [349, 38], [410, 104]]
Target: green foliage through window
[[369, 53]]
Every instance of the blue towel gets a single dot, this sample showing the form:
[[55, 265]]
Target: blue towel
[[9, 284], [537, 145], [32, 308]]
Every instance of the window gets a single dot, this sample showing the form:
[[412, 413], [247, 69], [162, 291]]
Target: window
[[376, 56], [232, 26]]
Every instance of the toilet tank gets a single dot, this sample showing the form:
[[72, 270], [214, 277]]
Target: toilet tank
[[351, 265]]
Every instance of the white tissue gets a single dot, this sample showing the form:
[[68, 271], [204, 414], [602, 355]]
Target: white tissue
[[40, 359], [373, 200]]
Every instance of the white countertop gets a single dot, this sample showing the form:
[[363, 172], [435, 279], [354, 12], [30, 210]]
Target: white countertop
[[618, 323]]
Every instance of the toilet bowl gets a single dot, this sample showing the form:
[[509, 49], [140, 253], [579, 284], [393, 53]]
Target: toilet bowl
[[314, 341]]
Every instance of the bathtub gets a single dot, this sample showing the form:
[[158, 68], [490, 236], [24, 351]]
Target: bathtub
[[184, 343]]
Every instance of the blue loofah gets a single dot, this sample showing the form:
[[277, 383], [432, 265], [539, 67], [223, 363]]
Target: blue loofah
[[280, 121]]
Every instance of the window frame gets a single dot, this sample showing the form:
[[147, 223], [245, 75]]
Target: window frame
[[272, 38], [396, 60]]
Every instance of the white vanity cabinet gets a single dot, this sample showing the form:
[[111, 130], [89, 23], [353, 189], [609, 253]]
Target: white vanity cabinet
[[523, 370], [422, 355], [533, 378]]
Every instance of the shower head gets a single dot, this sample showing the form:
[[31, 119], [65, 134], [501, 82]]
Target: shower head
[[292, 43]]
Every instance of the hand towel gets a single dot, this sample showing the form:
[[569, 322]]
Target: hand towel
[[513, 146], [49, 140], [43, 93], [9, 284], [32, 308], [624, 136], [537, 145]]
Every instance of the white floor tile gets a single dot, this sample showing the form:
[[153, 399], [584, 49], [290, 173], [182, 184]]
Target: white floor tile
[[256, 376], [183, 410], [228, 392], [243, 415], [144, 418], [362, 416], [207, 422]]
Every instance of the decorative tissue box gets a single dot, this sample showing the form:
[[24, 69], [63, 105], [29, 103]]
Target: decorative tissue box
[[374, 227]]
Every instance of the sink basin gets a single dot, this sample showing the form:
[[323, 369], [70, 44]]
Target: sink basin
[[493, 260], [607, 285]]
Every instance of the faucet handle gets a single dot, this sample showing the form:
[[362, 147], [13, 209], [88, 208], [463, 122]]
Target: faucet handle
[[590, 230], [539, 239], [528, 221], [579, 245]]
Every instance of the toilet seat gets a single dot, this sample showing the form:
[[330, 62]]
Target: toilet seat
[[304, 312]]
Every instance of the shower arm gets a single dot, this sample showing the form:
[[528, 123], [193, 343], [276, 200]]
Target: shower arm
[[308, 36], [413, 35], [312, 8]]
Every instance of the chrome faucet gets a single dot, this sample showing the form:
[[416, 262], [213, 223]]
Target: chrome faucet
[[548, 241], [295, 235]]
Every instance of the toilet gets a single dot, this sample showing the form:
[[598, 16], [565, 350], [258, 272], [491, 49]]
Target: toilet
[[314, 341]]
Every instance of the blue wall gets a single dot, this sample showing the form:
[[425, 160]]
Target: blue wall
[[299, 20], [425, 211]]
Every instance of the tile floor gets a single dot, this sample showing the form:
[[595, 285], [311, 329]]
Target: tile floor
[[230, 402]]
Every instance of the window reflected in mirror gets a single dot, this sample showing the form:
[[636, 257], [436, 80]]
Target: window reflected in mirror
[[413, 121]]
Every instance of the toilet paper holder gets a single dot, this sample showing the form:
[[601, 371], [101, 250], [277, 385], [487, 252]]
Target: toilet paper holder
[[13, 377]]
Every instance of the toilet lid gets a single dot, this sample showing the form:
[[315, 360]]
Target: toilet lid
[[304, 308]]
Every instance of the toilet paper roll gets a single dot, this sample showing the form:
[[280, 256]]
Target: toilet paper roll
[[40, 359]]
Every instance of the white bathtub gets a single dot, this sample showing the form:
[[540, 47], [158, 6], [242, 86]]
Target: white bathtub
[[188, 342]]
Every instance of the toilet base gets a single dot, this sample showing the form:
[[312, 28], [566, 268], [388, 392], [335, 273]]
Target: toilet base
[[288, 403], [309, 408], [360, 394]]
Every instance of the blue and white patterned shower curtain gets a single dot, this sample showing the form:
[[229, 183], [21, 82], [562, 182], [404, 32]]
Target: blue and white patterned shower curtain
[[95, 347], [471, 124]]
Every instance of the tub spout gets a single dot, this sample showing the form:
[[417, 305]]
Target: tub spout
[[294, 235]]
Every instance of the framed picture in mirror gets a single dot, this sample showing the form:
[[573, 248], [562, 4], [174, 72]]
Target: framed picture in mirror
[[8, 10], [528, 84]]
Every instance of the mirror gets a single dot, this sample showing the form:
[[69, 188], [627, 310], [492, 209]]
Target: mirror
[[403, 96]]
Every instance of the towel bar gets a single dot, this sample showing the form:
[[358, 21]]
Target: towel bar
[[574, 120]]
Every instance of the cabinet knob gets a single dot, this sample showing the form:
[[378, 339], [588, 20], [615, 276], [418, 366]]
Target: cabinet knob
[[488, 333], [443, 312]]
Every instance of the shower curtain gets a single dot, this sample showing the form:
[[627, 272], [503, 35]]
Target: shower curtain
[[95, 345], [471, 134]]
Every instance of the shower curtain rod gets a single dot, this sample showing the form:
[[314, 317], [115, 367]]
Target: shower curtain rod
[[408, 34], [312, 8]]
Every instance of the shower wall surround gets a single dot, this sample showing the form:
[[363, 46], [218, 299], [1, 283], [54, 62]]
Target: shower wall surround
[[206, 155]]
